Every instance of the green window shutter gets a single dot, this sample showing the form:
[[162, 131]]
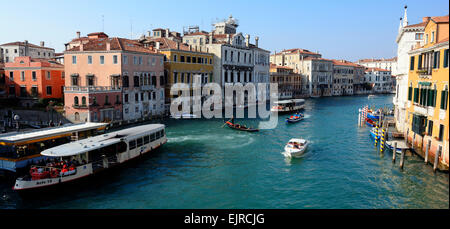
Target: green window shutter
[[409, 93], [445, 99], [411, 64], [430, 97], [434, 97], [419, 65], [442, 99], [446, 58], [416, 95]]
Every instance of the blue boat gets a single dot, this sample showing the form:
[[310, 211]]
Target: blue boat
[[373, 116], [295, 118]]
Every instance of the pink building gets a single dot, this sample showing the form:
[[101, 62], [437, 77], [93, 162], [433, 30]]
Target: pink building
[[112, 79]]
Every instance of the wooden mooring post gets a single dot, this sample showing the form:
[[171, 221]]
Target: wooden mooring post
[[427, 150], [402, 158], [394, 152], [436, 159]]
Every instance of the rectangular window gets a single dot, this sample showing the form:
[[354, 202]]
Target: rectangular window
[[411, 65], [74, 59], [102, 59], [174, 58], [139, 142], [446, 58], [441, 132], [34, 91], [48, 75], [419, 65], [153, 61], [89, 59], [49, 90], [33, 76], [115, 59], [436, 59], [152, 137], [182, 59], [146, 139], [175, 77], [430, 128], [140, 60], [416, 95], [444, 99], [125, 59], [188, 59], [22, 75], [132, 144]]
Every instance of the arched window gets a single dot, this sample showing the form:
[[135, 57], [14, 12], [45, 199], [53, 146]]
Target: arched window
[[77, 116], [83, 101], [75, 100], [136, 81], [161, 80]]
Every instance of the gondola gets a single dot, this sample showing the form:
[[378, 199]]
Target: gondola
[[240, 127], [295, 118]]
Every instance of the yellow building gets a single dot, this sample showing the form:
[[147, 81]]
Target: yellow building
[[428, 80], [182, 63]]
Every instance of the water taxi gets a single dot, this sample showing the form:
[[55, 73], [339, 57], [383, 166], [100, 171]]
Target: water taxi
[[286, 106], [19, 149], [296, 147], [84, 158], [295, 118]]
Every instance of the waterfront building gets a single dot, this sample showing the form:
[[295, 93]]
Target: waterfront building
[[2, 80], [343, 75], [261, 67], [31, 79], [113, 79], [388, 64], [289, 83], [358, 79], [408, 37], [292, 58], [18, 48], [380, 80], [317, 76], [427, 114], [181, 63]]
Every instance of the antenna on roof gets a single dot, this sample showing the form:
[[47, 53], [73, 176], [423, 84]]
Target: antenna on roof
[[131, 26], [103, 23]]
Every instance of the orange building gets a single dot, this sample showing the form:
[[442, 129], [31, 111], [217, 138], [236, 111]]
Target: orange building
[[28, 77]]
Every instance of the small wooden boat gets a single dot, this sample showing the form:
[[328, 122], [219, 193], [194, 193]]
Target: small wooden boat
[[370, 122], [240, 127], [295, 118]]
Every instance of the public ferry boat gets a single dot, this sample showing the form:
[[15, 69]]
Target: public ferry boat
[[84, 158], [287, 106], [19, 149]]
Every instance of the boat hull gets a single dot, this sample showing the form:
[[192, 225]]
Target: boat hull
[[296, 153]]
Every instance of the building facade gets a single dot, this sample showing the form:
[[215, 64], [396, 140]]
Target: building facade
[[30, 79], [16, 49], [289, 83], [292, 58], [427, 112], [343, 75], [317, 77], [113, 79]]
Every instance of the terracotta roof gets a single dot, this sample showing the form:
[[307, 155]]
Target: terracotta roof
[[165, 43], [115, 44], [345, 63], [97, 33], [442, 41], [51, 62], [376, 70], [296, 51], [278, 66], [416, 25], [315, 58], [222, 35], [377, 60], [440, 19], [23, 44]]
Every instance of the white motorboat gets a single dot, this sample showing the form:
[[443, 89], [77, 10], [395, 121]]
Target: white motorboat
[[183, 116], [296, 147]]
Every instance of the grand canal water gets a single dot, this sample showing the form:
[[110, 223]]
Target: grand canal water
[[205, 165]]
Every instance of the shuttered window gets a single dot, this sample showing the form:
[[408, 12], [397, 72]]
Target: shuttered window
[[419, 65], [430, 128], [416, 95], [411, 65], [436, 59], [446, 58], [444, 98], [410, 93]]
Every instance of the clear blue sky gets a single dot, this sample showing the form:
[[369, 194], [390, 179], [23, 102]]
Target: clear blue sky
[[338, 29]]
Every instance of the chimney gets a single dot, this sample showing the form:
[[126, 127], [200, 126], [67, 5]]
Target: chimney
[[178, 45], [157, 45], [78, 34], [26, 47], [247, 40], [210, 38], [426, 19], [108, 44], [256, 41], [149, 34], [228, 39], [167, 33], [42, 44], [81, 47]]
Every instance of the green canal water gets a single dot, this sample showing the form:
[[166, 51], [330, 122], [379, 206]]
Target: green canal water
[[205, 165]]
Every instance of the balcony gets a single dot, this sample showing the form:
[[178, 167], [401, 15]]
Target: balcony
[[424, 73], [147, 87], [87, 89]]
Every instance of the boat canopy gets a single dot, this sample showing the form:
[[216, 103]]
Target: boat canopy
[[19, 137], [101, 141], [289, 101]]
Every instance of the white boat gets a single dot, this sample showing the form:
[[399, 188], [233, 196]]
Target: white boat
[[286, 106], [183, 115], [84, 158], [296, 147]]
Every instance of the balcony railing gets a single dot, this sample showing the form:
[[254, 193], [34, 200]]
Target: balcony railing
[[91, 88], [147, 87], [424, 71]]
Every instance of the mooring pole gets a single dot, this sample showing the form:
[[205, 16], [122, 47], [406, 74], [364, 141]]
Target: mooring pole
[[427, 151], [436, 159], [395, 152], [402, 158]]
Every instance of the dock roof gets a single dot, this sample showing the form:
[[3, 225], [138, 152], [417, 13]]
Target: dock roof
[[19, 137]]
